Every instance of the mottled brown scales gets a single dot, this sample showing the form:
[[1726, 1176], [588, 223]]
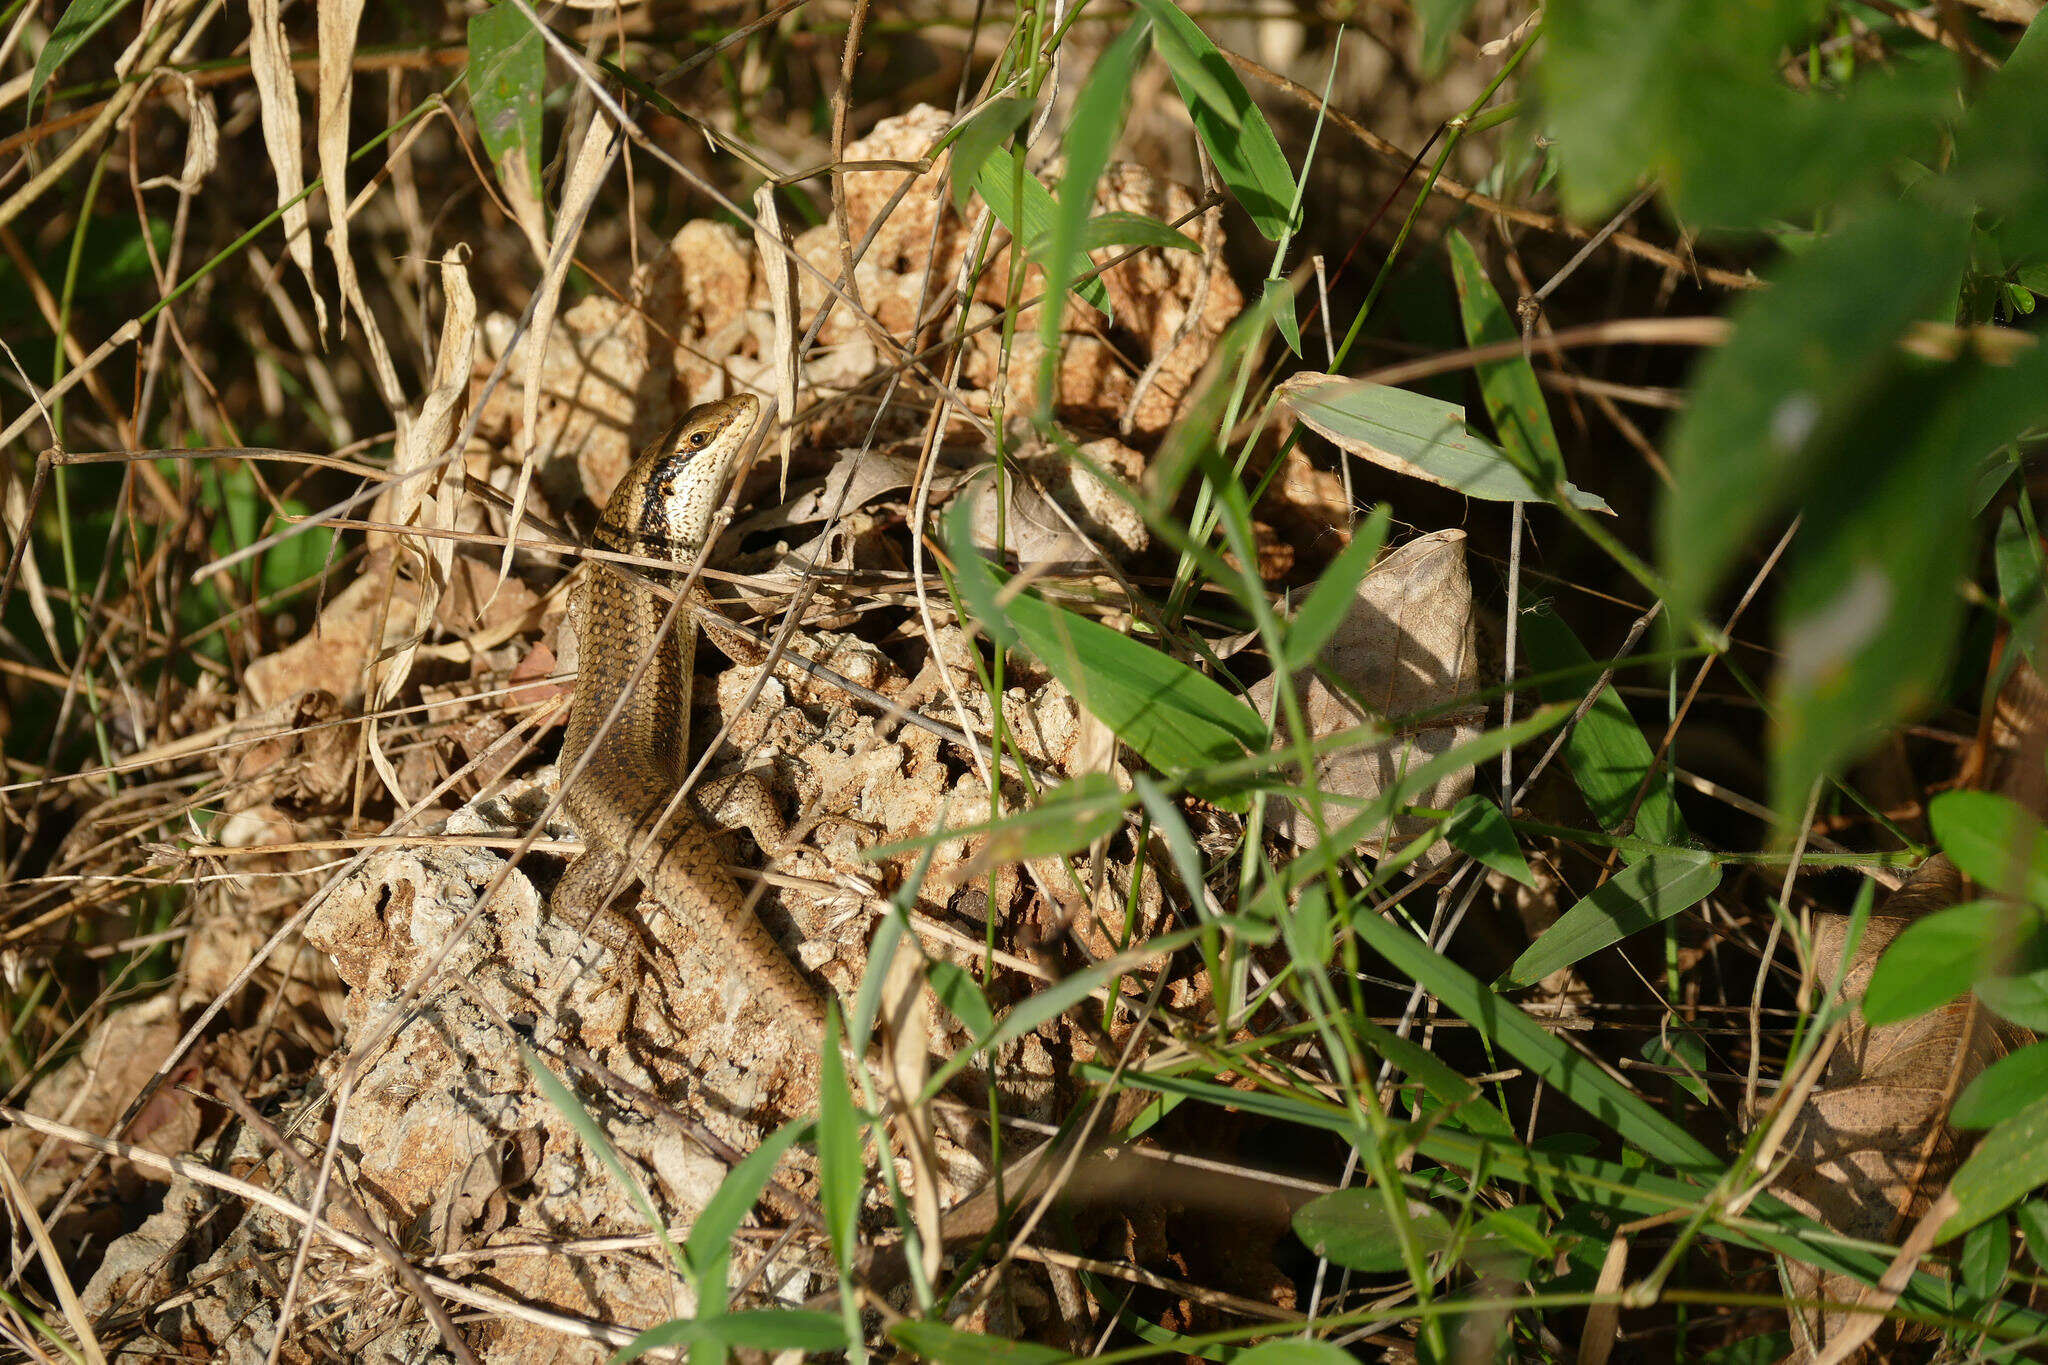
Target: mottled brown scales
[[638, 758]]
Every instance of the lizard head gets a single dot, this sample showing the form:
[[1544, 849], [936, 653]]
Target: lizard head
[[667, 498]]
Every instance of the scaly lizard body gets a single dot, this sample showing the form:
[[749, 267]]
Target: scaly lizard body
[[632, 738]]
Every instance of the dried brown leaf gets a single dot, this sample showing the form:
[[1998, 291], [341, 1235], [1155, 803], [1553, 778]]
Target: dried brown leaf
[[278, 94], [338, 23], [1407, 645]]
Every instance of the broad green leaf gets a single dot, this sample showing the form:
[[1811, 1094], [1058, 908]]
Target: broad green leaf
[[2032, 1218], [80, 20], [2008, 1165], [1414, 434], [1769, 410], [1097, 120], [2019, 993], [507, 81], [1335, 592], [709, 1247], [1478, 830], [1606, 753], [2003, 1089], [1029, 218], [1236, 134], [950, 1346], [1623, 81], [1638, 896], [766, 1329], [2018, 561], [1175, 718], [1887, 564], [976, 137], [839, 1142], [1602, 78], [1547, 1056], [2001, 149], [1352, 1228], [1999, 845], [1934, 960], [1513, 397]]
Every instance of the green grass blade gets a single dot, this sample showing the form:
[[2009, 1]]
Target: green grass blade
[[1331, 599], [1640, 895], [1097, 122], [1606, 753], [1577, 1077], [709, 1246], [1513, 397], [80, 21], [973, 140], [1028, 212], [1238, 138]]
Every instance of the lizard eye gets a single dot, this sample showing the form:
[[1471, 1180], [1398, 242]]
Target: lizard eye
[[698, 438]]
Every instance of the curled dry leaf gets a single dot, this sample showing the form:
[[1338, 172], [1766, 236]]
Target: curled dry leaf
[[1407, 645], [338, 22], [202, 142], [278, 94]]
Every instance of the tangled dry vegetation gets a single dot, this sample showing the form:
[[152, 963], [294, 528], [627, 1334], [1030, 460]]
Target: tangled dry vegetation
[[300, 1065]]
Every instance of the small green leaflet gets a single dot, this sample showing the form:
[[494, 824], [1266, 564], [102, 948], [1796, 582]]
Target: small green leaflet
[[1278, 298], [1934, 960], [1352, 1228], [2003, 1089], [2010, 1164]]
